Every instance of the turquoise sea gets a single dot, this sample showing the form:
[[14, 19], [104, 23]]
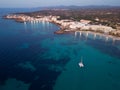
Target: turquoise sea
[[32, 57]]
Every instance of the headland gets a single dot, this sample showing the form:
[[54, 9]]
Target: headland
[[95, 20]]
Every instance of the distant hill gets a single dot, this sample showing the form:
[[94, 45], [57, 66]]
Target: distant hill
[[80, 7]]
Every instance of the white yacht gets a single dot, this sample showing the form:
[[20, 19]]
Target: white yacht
[[81, 63]]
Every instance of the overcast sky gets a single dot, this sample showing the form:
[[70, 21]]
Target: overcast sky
[[39, 3]]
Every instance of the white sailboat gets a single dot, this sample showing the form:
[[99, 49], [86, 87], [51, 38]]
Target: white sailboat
[[81, 64]]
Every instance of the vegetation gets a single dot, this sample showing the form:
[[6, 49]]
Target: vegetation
[[104, 16]]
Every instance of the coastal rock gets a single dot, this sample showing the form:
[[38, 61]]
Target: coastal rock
[[115, 33], [59, 32], [19, 20]]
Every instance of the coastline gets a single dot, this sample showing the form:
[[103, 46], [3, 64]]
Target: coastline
[[95, 34], [66, 25]]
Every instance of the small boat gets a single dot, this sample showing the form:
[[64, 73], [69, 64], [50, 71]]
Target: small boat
[[81, 63]]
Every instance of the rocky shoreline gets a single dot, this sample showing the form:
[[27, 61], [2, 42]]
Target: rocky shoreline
[[65, 24]]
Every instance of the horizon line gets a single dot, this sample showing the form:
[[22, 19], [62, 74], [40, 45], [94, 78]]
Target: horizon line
[[67, 6]]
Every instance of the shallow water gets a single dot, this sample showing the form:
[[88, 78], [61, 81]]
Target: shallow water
[[35, 58]]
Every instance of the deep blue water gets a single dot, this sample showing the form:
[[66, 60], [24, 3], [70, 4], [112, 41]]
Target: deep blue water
[[32, 57]]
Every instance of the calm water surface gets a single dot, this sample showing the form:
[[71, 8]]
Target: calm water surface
[[32, 57]]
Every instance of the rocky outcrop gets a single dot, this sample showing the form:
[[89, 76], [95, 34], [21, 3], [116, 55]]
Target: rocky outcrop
[[59, 32], [115, 33]]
